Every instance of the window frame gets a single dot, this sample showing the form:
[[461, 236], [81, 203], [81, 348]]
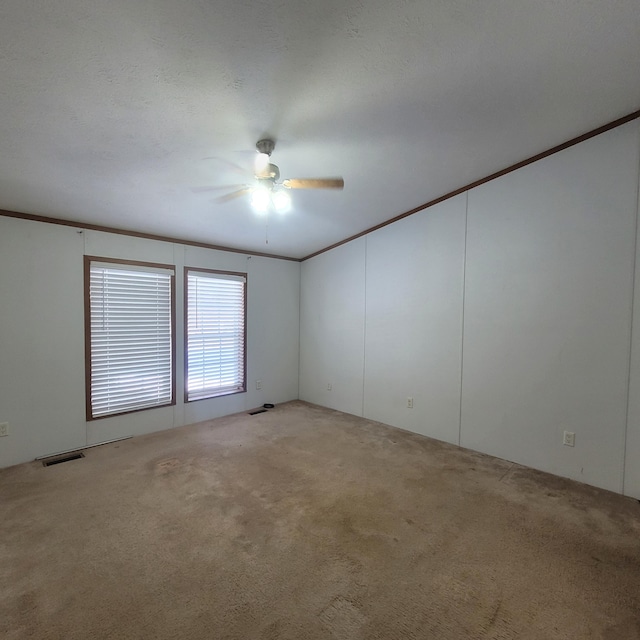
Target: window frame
[[242, 274], [87, 332]]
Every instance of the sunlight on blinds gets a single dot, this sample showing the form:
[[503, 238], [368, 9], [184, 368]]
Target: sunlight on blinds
[[215, 334]]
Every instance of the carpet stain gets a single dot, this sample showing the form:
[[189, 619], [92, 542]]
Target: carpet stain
[[167, 466]]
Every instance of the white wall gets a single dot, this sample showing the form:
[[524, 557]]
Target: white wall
[[414, 284], [540, 264], [42, 336], [41, 339], [549, 285], [332, 328], [381, 320], [632, 448]]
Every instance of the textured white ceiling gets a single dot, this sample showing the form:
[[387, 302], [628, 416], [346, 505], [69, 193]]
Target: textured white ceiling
[[109, 111]]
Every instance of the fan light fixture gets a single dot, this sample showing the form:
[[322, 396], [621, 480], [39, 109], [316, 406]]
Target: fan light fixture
[[260, 199], [268, 192], [263, 198], [261, 162], [281, 201]]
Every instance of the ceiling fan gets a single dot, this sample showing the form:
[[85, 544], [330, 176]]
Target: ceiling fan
[[268, 191]]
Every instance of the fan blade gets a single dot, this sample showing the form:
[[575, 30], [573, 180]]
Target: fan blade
[[218, 188], [231, 165], [234, 194], [314, 183]]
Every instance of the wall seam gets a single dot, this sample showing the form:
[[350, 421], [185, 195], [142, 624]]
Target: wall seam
[[299, 327], [364, 323], [631, 331], [464, 291]]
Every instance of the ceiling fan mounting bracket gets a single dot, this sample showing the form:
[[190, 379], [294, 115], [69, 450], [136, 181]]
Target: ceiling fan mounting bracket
[[266, 146]]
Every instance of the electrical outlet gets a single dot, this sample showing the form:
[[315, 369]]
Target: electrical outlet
[[258, 384], [409, 402], [329, 387], [569, 439], [4, 429]]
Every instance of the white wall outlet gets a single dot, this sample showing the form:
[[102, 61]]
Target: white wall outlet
[[329, 387], [569, 439], [4, 429], [258, 384], [409, 402]]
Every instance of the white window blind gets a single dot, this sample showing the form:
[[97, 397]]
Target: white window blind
[[131, 337], [215, 317]]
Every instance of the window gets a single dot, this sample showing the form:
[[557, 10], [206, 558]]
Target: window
[[129, 333], [215, 310]]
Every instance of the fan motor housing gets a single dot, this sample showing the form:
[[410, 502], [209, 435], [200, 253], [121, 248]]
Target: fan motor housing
[[271, 173]]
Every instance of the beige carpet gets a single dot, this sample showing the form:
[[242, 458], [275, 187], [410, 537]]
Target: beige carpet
[[305, 523]]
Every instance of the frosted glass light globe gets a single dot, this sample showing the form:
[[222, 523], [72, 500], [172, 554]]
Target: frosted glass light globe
[[281, 201], [260, 200]]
